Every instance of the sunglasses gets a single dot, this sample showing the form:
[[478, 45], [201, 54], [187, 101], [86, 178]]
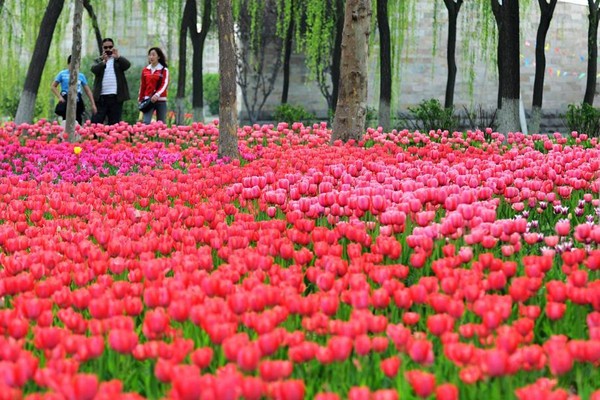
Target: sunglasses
[[107, 47]]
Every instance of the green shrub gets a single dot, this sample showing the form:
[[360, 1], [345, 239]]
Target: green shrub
[[430, 115], [290, 114], [583, 118], [211, 92]]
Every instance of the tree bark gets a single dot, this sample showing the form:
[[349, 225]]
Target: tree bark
[[228, 122], [592, 67], [94, 18], [509, 77], [453, 10], [385, 64], [337, 53], [546, 13], [287, 55], [351, 110], [198, 40], [38, 61], [74, 71], [186, 19]]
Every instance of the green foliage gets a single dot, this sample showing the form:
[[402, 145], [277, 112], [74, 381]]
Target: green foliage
[[583, 118], [290, 114], [211, 92], [130, 111], [431, 115]]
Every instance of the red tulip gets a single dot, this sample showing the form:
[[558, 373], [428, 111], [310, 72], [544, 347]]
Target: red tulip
[[447, 391], [390, 366], [423, 383]]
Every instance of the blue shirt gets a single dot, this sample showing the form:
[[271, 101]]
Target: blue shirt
[[63, 79]]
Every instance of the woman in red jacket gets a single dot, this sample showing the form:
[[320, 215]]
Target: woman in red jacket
[[155, 79]]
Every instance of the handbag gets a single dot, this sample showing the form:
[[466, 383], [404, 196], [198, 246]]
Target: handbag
[[61, 108], [147, 105]]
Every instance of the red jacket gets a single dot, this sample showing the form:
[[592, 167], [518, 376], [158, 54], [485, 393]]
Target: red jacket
[[149, 81]]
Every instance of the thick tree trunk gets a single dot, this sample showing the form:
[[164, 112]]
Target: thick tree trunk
[[547, 11], [453, 9], [508, 49], [38, 61], [95, 26], [351, 110], [385, 64], [228, 121], [287, 55], [186, 20], [337, 53], [74, 71], [536, 119], [592, 68], [198, 40]]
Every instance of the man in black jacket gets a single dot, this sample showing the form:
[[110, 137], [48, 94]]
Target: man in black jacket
[[110, 85]]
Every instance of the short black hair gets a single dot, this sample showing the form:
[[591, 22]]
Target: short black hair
[[108, 40]]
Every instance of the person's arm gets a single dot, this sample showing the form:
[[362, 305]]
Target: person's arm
[[165, 83], [123, 62], [54, 88], [90, 96], [99, 66]]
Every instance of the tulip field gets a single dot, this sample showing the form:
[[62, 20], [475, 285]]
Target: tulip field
[[136, 264]]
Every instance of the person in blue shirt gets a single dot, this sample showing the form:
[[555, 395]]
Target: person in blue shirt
[[62, 80]]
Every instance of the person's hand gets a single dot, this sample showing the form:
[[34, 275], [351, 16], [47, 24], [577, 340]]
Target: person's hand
[[115, 53], [61, 99], [94, 109], [105, 57], [154, 98]]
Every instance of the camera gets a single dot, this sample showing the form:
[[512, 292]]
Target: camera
[[108, 52]]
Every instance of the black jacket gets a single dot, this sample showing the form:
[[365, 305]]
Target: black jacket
[[121, 65]]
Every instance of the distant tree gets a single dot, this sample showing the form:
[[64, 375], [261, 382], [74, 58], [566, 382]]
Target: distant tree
[[592, 68], [38, 61], [351, 110], [187, 18], [228, 122], [546, 13], [198, 42], [321, 43], [74, 71], [90, 10], [453, 7], [258, 54], [287, 51], [506, 13], [385, 64]]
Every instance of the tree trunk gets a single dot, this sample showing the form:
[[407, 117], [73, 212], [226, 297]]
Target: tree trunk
[[592, 68], [38, 61], [287, 55], [508, 49], [1, 5], [92, 15], [453, 9], [198, 40], [337, 53], [74, 71], [547, 11], [351, 110], [385, 65], [228, 122], [186, 20]]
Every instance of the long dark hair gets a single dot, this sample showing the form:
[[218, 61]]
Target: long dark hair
[[161, 56]]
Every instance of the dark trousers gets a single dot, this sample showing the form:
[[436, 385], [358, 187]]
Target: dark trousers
[[108, 107]]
